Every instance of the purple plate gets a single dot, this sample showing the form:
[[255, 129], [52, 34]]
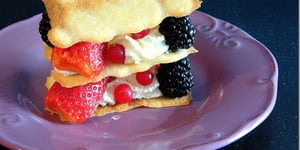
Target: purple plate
[[235, 90]]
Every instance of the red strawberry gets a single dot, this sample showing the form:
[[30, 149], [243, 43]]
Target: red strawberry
[[75, 104], [84, 58]]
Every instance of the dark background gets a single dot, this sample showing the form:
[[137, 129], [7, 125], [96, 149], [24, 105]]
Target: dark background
[[272, 22]]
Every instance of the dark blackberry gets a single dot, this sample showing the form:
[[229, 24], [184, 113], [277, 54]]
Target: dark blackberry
[[44, 28], [176, 78], [179, 32]]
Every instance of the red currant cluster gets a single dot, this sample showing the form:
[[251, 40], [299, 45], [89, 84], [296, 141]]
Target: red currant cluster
[[123, 92], [116, 52]]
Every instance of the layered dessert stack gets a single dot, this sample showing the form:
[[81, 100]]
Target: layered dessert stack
[[115, 55]]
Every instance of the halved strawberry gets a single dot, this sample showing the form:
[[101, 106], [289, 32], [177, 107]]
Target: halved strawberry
[[75, 104], [84, 58]]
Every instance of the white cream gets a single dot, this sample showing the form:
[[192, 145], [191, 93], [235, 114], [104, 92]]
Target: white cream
[[139, 91], [143, 49], [65, 73]]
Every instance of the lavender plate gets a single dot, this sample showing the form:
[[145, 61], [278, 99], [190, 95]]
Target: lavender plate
[[235, 90]]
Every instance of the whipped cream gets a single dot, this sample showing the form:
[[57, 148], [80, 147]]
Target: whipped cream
[[136, 51], [147, 48], [65, 73], [139, 91]]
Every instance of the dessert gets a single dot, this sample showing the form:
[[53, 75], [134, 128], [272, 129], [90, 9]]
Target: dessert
[[115, 55]]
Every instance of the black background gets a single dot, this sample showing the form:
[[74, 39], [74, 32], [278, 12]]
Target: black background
[[272, 22]]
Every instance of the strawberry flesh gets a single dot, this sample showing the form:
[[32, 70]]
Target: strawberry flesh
[[75, 104], [84, 58]]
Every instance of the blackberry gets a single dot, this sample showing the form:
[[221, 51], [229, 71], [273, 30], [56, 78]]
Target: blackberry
[[44, 28], [179, 32], [176, 78]]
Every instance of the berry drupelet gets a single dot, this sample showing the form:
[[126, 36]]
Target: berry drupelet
[[179, 32], [44, 28], [175, 78]]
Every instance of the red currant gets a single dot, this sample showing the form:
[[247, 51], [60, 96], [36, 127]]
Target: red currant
[[157, 67], [140, 35], [123, 93], [116, 54], [111, 79], [144, 78]]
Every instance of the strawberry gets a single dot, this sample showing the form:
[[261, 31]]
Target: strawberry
[[75, 104], [84, 58]]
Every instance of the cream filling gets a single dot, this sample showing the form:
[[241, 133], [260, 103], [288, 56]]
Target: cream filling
[[66, 73], [136, 51], [139, 91], [146, 48]]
